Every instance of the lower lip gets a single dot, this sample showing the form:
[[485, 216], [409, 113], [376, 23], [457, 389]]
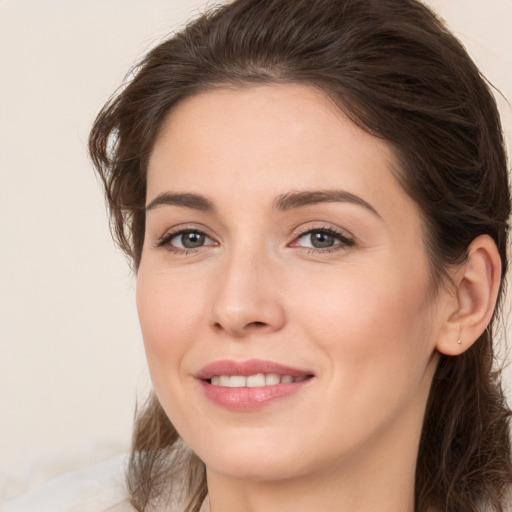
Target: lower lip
[[247, 399]]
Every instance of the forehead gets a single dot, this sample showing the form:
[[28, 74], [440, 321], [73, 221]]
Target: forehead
[[268, 139]]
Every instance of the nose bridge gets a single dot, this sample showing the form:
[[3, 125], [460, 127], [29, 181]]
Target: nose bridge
[[246, 298]]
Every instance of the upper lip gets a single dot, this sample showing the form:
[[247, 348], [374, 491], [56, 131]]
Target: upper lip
[[246, 368]]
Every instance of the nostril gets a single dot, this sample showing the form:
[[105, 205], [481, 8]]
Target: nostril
[[257, 324], [244, 329]]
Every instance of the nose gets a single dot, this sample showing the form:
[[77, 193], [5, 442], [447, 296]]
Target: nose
[[247, 298]]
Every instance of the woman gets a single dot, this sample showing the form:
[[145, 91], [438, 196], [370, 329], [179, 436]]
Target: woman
[[314, 192], [314, 197]]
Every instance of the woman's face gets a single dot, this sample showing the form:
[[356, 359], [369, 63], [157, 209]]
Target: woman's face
[[284, 292]]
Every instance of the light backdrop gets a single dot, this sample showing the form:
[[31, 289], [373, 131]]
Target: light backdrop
[[71, 357]]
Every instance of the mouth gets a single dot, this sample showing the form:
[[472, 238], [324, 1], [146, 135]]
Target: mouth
[[251, 384], [254, 381]]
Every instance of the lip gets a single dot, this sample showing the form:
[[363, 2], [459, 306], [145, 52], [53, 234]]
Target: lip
[[250, 398], [246, 368]]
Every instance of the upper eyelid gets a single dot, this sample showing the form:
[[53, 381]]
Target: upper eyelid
[[169, 234], [180, 228], [342, 233], [296, 234], [345, 239]]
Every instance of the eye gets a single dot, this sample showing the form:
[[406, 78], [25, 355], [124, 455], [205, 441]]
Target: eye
[[323, 239], [187, 239]]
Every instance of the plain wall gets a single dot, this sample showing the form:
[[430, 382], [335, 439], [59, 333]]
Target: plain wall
[[71, 357]]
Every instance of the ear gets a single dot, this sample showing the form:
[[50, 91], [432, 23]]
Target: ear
[[473, 297]]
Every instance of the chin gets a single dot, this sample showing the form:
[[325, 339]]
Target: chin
[[251, 467], [246, 458]]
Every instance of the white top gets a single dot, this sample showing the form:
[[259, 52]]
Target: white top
[[98, 488]]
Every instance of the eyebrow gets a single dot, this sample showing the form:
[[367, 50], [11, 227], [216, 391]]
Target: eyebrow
[[194, 201], [301, 199], [284, 202]]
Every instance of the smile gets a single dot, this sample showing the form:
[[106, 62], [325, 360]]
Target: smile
[[254, 381], [250, 385]]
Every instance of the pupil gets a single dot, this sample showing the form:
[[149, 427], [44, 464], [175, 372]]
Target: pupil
[[192, 240], [322, 240]]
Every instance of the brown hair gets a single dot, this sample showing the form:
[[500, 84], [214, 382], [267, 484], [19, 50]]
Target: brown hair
[[396, 71]]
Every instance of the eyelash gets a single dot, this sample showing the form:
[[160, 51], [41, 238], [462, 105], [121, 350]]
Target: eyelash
[[165, 240], [344, 241]]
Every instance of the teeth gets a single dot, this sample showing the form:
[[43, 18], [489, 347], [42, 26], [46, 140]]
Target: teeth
[[224, 380], [237, 381], [271, 379], [253, 381]]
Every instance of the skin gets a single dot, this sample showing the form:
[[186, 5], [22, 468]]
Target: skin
[[361, 315]]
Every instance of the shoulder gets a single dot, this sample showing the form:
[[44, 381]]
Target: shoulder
[[98, 488]]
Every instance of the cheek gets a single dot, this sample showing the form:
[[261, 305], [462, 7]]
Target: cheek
[[168, 319], [373, 335], [363, 299], [371, 323]]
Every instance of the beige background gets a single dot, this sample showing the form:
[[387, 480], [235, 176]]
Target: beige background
[[71, 358]]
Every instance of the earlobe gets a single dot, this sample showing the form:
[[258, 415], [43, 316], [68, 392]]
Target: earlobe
[[473, 299]]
